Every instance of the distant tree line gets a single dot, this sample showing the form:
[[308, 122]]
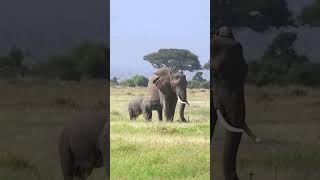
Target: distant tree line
[[134, 81], [141, 81], [282, 65], [85, 60]]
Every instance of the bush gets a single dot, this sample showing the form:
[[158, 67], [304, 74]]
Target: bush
[[193, 84], [198, 82], [137, 80], [129, 83]]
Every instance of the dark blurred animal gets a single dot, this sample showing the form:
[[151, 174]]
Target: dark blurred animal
[[84, 145], [229, 70]]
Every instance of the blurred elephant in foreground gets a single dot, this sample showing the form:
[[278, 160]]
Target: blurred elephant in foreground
[[167, 87], [145, 106], [229, 70], [84, 145]]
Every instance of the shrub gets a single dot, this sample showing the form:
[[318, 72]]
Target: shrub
[[137, 80]]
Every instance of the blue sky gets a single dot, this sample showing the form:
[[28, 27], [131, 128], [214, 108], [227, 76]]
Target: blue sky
[[141, 27]]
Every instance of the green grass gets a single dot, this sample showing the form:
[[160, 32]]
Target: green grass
[[31, 117], [159, 150]]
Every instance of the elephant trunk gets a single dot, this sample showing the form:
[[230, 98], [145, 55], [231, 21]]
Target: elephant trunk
[[182, 107], [182, 98]]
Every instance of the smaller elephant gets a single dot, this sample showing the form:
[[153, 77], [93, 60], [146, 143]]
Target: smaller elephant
[[148, 105], [134, 107], [145, 106]]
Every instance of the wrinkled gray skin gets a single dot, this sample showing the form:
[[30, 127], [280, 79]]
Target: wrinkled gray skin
[[134, 107], [229, 73], [145, 106], [165, 86], [83, 146], [148, 105]]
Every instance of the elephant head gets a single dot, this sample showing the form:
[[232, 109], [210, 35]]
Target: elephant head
[[173, 87]]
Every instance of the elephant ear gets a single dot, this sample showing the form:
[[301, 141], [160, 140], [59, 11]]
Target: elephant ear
[[162, 81]]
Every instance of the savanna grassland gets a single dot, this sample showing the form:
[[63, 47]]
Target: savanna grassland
[[159, 150], [32, 113]]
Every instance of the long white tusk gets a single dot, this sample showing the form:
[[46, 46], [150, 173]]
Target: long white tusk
[[226, 125], [182, 102]]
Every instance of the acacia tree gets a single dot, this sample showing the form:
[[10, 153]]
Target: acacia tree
[[176, 59]]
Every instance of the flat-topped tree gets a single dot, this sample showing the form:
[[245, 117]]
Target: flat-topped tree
[[176, 59], [259, 15]]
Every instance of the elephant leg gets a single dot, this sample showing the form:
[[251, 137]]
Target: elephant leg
[[167, 104], [83, 173], [66, 161], [131, 115], [166, 111], [182, 118], [160, 114], [67, 169], [147, 114], [173, 107], [170, 108], [230, 152]]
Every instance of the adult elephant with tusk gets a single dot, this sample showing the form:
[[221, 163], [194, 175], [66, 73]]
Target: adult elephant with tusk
[[168, 86], [229, 70]]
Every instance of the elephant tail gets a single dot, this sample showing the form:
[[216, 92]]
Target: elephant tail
[[255, 138]]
